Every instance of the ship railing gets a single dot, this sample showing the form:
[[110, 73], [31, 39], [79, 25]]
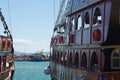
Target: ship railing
[[87, 73], [4, 74], [62, 39], [4, 53], [80, 77]]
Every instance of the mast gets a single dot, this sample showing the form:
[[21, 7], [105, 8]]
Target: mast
[[61, 14], [7, 31]]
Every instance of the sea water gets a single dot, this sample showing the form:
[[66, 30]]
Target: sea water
[[28, 70]]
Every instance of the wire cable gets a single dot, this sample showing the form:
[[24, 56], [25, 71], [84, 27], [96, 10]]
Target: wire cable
[[10, 21]]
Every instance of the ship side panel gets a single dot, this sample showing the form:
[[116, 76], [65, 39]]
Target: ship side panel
[[80, 4], [107, 19], [97, 33], [114, 23], [86, 26], [111, 39], [107, 62]]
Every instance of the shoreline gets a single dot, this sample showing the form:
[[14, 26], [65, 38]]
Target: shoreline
[[32, 60]]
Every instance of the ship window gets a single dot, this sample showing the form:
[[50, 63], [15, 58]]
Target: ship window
[[84, 61], [116, 62], [51, 53], [4, 62], [65, 58], [79, 22], [97, 19], [57, 56], [76, 61], [72, 28], [62, 29], [86, 20], [55, 33], [61, 59], [119, 15], [70, 58], [94, 62], [115, 59], [60, 55]]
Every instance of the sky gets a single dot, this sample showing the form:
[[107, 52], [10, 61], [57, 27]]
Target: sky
[[31, 23]]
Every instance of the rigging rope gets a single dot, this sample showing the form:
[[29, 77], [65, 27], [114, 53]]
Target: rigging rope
[[60, 14], [7, 31], [9, 15], [54, 11]]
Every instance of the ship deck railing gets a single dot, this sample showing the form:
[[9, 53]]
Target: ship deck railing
[[4, 74]]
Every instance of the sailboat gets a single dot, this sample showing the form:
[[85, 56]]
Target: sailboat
[[7, 66]]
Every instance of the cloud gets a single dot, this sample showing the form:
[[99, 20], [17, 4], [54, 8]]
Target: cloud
[[21, 42], [27, 46]]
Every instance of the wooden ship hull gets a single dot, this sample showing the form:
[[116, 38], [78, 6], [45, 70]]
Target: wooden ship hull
[[7, 66], [85, 44]]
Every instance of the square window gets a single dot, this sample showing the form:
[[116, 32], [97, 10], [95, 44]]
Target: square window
[[116, 63]]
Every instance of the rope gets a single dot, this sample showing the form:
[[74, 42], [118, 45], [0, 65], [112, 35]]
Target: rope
[[54, 11], [9, 15]]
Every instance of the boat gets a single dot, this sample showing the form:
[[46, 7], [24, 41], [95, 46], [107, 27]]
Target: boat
[[7, 66], [39, 56], [85, 44]]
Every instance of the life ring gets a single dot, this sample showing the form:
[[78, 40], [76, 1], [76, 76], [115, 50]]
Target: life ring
[[47, 70], [96, 35]]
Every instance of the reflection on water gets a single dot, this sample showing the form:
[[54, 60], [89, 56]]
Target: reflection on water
[[26, 70]]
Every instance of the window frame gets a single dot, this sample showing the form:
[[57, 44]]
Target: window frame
[[114, 57], [84, 61], [78, 17], [84, 19], [94, 12], [76, 60], [72, 27]]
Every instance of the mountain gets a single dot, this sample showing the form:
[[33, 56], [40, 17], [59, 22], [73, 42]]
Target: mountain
[[21, 53]]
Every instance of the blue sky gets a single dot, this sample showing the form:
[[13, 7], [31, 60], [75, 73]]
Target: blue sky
[[31, 23]]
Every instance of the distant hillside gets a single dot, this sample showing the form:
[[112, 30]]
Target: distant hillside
[[23, 53], [47, 53]]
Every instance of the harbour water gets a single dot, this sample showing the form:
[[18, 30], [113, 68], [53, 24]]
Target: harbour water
[[27, 70]]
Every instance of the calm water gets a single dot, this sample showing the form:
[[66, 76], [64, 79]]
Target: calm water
[[30, 71]]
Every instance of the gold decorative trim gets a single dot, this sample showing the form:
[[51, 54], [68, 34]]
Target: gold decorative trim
[[112, 57]]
